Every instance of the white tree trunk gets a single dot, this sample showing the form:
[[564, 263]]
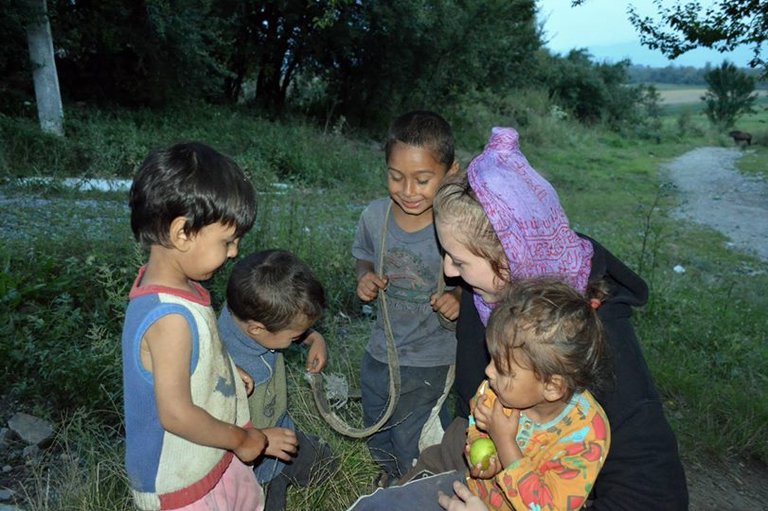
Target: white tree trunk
[[40, 40]]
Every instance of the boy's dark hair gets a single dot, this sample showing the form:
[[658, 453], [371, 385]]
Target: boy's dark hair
[[547, 326], [422, 128], [190, 180], [273, 287]]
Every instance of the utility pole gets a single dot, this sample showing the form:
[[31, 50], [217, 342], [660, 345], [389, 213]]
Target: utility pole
[[47, 94]]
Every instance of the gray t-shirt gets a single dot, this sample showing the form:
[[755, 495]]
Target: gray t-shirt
[[413, 265]]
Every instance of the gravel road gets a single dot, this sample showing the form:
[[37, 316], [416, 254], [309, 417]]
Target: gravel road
[[714, 193]]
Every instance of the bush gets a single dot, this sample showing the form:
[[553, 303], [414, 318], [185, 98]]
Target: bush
[[592, 93], [539, 121], [29, 152], [686, 125], [53, 315]]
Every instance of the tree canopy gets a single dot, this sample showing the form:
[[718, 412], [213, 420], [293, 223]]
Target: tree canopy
[[378, 55], [688, 25], [360, 62]]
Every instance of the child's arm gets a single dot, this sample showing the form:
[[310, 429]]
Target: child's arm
[[447, 303], [317, 356], [170, 348], [368, 283]]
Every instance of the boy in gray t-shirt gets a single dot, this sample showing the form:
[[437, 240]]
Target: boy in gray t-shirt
[[419, 154]]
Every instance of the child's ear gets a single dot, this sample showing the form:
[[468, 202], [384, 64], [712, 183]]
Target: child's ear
[[255, 329], [454, 168], [178, 233], [554, 389]]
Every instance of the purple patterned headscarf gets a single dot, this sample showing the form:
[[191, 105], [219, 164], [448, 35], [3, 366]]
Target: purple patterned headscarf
[[526, 214]]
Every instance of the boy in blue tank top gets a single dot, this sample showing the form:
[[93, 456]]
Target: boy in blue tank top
[[188, 433]]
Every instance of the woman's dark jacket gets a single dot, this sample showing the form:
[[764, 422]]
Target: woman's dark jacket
[[643, 468]]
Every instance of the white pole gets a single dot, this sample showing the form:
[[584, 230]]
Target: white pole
[[47, 94]]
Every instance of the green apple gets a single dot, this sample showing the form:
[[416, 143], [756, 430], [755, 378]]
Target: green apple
[[481, 451]]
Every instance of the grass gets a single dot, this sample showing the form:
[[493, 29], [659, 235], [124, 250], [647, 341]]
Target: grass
[[82, 471], [112, 143], [69, 263], [753, 161]]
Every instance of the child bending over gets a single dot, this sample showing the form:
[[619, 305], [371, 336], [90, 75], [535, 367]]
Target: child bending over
[[188, 435], [551, 435], [273, 299]]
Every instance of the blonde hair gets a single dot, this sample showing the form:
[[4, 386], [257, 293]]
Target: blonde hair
[[457, 206], [547, 326]]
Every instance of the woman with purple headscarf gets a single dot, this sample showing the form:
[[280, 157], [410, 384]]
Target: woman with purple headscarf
[[503, 212]]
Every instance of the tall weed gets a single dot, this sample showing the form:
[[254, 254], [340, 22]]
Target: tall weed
[[113, 143]]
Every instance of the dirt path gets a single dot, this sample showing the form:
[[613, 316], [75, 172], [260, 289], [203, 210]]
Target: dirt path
[[714, 193], [717, 195], [726, 486]]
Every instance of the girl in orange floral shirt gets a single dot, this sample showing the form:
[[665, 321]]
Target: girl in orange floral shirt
[[551, 435]]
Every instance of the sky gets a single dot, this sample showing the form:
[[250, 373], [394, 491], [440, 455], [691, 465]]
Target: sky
[[603, 27]]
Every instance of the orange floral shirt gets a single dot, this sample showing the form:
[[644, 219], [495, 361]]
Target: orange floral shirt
[[561, 459]]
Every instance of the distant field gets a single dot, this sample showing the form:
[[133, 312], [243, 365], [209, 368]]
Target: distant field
[[682, 96]]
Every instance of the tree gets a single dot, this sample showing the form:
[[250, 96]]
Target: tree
[[275, 40], [365, 61], [723, 27], [135, 52], [47, 95], [16, 90], [730, 94], [406, 54], [592, 92]]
